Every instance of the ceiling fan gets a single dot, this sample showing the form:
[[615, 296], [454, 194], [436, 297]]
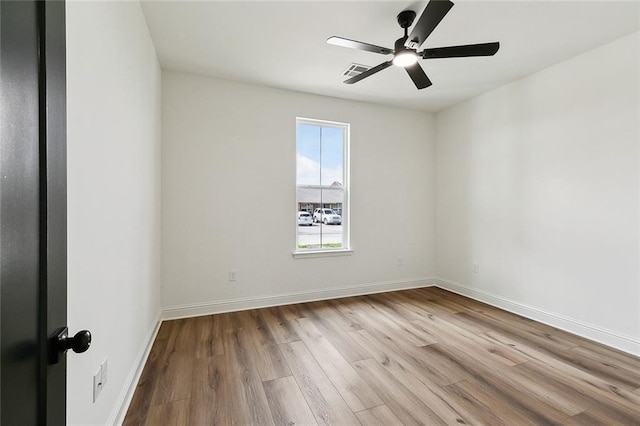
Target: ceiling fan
[[405, 52]]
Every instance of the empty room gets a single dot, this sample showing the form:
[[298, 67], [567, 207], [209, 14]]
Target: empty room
[[320, 212]]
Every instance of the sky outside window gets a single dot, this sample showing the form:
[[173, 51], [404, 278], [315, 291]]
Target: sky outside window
[[320, 158]]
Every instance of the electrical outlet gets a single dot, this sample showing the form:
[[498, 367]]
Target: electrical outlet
[[233, 275], [97, 384], [399, 261], [476, 268]]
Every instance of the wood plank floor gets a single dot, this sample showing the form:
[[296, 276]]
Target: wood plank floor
[[423, 356]]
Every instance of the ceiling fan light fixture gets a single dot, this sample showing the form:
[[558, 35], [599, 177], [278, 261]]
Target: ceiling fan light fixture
[[405, 58]]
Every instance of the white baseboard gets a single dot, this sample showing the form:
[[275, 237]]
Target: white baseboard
[[611, 338], [126, 394], [241, 304]]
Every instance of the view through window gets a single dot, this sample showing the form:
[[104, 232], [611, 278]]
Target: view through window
[[321, 185]]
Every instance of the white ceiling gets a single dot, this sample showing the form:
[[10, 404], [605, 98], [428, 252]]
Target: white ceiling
[[283, 44]]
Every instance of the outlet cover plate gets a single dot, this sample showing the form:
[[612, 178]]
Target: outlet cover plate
[[97, 384]]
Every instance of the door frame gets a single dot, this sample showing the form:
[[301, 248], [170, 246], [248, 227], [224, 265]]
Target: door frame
[[33, 274], [53, 206]]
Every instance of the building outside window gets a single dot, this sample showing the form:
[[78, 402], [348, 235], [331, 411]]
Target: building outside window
[[322, 187]]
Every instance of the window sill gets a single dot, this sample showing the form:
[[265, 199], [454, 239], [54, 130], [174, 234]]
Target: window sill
[[321, 253]]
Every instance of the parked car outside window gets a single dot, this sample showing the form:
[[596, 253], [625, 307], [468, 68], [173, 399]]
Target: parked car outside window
[[304, 218], [327, 216]]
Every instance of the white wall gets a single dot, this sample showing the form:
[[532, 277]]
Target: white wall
[[113, 79], [538, 183], [228, 180]]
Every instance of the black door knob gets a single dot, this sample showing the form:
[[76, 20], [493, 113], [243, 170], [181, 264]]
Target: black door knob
[[61, 343], [80, 342]]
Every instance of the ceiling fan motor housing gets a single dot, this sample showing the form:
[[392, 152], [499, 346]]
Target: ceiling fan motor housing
[[399, 45], [405, 18]]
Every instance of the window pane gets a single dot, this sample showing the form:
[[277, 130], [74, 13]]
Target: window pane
[[331, 222], [332, 155], [308, 154], [309, 236]]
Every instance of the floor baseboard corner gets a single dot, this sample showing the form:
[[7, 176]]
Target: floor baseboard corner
[[126, 394], [593, 332], [241, 304]]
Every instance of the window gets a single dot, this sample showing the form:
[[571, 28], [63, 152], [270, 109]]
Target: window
[[322, 185]]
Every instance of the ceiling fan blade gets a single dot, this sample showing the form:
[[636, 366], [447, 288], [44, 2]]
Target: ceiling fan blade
[[482, 49], [418, 76], [368, 72], [429, 20], [353, 44]]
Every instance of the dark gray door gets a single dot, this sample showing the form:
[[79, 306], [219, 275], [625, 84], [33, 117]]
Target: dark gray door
[[32, 211]]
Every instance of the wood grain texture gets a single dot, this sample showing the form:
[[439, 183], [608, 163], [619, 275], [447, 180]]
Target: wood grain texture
[[280, 328], [404, 403], [422, 356], [212, 387], [355, 391], [174, 378], [249, 400], [174, 413], [328, 406], [287, 404], [378, 416]]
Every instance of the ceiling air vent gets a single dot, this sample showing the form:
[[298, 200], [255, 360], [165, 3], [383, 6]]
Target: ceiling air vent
[[355, 69]]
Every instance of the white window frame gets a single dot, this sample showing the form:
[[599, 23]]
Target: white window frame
[[346, 248]]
